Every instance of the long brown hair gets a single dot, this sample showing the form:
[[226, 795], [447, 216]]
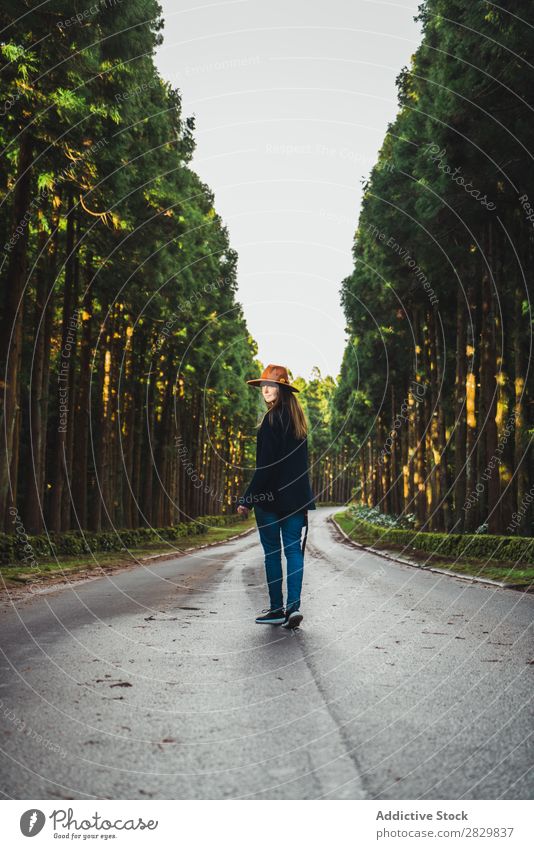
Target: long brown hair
[[287, 398]]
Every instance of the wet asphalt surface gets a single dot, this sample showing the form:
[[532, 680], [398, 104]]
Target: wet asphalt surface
[[155, 682]]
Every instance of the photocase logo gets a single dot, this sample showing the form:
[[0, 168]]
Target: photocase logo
[[31, 822]]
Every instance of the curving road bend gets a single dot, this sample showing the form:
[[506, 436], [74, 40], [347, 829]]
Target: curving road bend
[[155, 682]]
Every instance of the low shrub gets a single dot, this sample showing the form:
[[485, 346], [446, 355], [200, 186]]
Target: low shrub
[[17, 549], [480, 546], [382, 520]]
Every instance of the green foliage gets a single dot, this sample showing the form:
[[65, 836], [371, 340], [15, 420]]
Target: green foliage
[[149, 265], [373, 516], [424, 251]]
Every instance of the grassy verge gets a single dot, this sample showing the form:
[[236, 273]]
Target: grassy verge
[[498, 570], [50, 570]]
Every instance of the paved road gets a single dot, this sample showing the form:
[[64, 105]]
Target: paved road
[[156, 683]]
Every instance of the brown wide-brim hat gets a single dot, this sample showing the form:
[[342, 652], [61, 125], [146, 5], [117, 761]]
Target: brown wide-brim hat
[[274, 374]]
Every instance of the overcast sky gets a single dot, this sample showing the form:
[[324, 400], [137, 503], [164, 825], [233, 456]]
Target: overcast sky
[[291, 99]]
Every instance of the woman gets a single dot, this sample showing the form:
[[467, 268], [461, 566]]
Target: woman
[[280, 493]]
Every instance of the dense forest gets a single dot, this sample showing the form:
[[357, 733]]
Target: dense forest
[[124, 351], [334, 467], [123, 348], [436, 394]]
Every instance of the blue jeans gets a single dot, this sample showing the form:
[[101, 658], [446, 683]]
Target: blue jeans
[[270, 527]]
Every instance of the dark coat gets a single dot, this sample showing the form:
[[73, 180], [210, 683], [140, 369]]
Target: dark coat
[[281, 482]]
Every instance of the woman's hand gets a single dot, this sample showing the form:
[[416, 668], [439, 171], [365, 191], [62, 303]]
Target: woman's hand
[[243, 511]]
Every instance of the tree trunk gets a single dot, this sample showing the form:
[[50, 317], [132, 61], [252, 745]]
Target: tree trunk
[[147, 462], [521, 524], [460, 432], [488, 390], [64, 382], [80, 480], [35, 471], [472, 503], [11, 336]]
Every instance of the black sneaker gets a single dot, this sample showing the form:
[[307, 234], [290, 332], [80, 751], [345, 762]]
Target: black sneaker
[[293, 618], [271, 617]]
